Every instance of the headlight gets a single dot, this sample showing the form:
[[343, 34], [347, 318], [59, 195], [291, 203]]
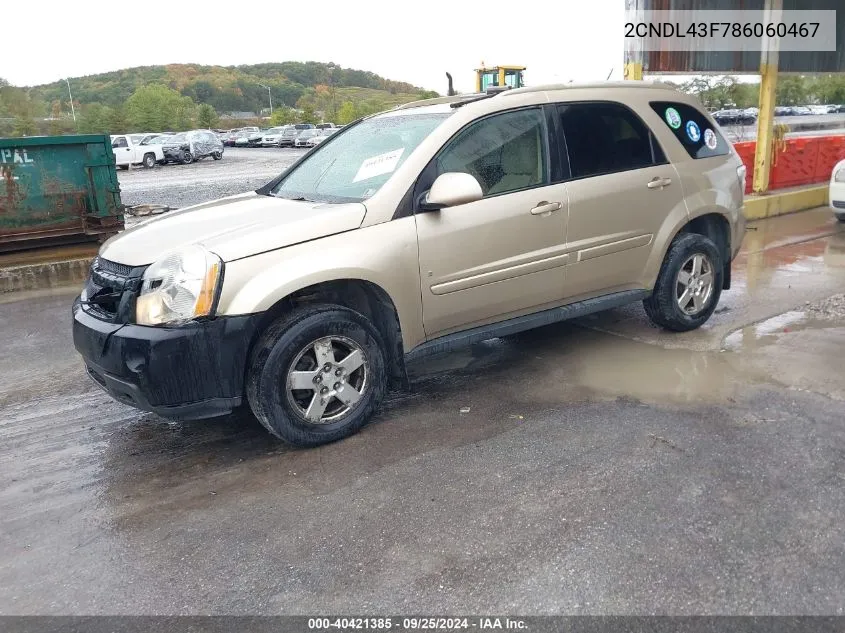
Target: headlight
[[180, 286], [839, 176]]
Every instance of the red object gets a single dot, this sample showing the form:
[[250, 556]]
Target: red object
[[805, 161]]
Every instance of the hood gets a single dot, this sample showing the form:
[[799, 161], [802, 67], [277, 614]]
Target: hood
[[233, 227]]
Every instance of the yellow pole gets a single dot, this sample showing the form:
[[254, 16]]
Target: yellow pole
[[765, 118], [634, 71]]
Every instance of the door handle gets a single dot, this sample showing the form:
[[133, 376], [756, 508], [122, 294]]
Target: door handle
[[659, 183], [545, 207]]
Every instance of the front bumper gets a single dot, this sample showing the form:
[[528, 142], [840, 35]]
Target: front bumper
[[188, 372], [837, 197]]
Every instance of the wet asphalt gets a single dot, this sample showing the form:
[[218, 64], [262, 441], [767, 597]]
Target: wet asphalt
[[599, 467]]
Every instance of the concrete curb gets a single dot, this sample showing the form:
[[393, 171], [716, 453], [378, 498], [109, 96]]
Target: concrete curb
[[45, 275], [781, 202]]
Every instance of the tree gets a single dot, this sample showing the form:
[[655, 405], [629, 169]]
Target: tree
[[307, 115], [24, 126], [791, 90], [207, 117], [346, 113], [284, 116], [155, 108]]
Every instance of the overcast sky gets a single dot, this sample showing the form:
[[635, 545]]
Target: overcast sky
[[412, 40]]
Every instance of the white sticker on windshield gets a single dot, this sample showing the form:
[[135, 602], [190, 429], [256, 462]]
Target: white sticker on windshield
[[378, 165]]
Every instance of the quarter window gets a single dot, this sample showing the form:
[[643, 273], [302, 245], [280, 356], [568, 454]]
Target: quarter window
[[603, 138], [505, 152], [695, 132]]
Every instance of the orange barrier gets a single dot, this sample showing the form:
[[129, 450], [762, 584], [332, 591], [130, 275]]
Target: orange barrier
[[804, 161]]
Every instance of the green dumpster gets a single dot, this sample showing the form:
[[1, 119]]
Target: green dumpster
[[57, 189]]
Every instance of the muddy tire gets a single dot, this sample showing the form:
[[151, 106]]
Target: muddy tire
[[688, 286], [217, 155], [187, 158], [149, 161], [317, 375]]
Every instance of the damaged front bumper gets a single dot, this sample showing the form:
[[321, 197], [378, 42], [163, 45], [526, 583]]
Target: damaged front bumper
[[191, 371]]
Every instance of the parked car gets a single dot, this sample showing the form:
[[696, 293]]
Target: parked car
[[158, 139], [254, 138], [242, 138], [303, 137], [784, 111], [127, 151], [271, 136], [304, 126], [735, 117], [801, 110], [288, 136], [837, 191], [325, 126], [311, 325], [187, 147], [230, 138], [316, 140]]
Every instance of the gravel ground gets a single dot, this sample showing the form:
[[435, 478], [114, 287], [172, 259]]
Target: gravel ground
[[830, 309], [177, 186]]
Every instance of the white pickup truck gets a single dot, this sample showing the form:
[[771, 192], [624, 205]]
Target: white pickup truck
[[128, 151]]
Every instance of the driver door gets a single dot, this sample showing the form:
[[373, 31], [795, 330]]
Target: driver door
[[503, 255]]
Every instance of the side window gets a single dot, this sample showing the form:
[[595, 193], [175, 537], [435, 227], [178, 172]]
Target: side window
[[120, 141], [699, 137], [602, 138], [505, 152]]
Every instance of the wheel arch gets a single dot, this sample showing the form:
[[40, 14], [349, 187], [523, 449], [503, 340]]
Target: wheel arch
[[362, 296], [713, 223]]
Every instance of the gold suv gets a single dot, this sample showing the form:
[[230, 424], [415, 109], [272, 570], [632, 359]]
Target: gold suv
[[410, 232]]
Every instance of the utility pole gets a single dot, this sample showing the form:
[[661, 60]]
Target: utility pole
[[72, 111], [269, 94], [768, 89]]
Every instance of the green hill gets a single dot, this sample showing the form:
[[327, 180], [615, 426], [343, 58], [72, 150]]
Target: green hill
[[101, 100]]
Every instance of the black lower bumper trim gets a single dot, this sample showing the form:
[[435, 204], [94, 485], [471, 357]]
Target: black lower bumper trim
[[192, 371]]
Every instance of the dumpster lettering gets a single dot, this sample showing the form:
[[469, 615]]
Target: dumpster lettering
[[14, 156]]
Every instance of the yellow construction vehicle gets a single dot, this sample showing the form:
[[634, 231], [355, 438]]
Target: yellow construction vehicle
[[502, 77], [498, 76]]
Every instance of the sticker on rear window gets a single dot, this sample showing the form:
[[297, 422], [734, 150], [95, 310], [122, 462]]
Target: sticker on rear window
[[378, 165], [710, 139], [693, 132], [673, 118]]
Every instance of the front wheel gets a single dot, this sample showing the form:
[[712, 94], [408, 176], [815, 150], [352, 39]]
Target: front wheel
[[149, 161], [187, 158], [317, 375], [688, 286]]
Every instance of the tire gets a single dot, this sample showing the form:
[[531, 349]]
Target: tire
[[289, 345], [217, 155], [663, 306], [840, 216], [149, 161], [187, 158]]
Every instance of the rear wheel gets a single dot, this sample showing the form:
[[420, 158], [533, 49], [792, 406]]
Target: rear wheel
[[688, 286], [149, 161], [317, 375], [217, 155]]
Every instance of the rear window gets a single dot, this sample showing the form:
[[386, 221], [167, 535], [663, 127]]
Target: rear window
[[699, 137]]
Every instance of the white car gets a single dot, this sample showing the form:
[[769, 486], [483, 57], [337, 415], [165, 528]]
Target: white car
[[304, 136], [837, 191], [129, 151], [273, 136], [316, 140]]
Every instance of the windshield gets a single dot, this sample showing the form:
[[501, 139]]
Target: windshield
[[178, 138], [356, 164], [275, 130], [137, 138]]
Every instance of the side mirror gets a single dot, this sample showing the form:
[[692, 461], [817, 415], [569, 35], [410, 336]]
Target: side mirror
[[451, 189]]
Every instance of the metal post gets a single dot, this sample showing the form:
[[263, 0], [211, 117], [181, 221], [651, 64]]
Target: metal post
[[633, 69], [72, 110], [768, 89], [269, 94]]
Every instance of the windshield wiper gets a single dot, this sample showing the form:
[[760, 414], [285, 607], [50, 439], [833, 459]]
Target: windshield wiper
[[295, 199]]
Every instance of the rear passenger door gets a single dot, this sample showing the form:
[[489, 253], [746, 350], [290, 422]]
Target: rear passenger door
[[621, 191]]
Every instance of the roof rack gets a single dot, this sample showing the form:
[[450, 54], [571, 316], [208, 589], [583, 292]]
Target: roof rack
[[593, 84]]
